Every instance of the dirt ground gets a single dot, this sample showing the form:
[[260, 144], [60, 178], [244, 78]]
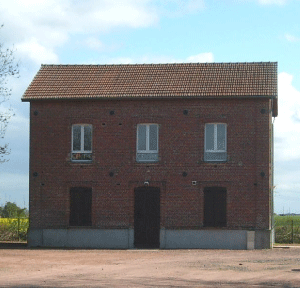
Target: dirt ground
[[23, 267]]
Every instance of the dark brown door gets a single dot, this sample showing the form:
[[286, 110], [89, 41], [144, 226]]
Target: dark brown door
[[214, 207], [146, 217], [80, 206]]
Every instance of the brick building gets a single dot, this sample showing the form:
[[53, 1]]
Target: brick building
[[161, 155]]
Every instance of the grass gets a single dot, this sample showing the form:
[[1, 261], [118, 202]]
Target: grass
[[287, 229]]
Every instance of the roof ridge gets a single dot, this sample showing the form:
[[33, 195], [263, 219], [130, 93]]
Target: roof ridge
[[165, 64]]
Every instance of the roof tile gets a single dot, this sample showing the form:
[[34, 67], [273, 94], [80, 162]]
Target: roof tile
[[153, 80]]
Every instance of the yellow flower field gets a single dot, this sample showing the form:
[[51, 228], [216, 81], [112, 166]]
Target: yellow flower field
[[12, 230]]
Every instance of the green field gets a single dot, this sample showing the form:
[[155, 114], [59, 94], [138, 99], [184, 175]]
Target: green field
[[287, 229], [13, 229]]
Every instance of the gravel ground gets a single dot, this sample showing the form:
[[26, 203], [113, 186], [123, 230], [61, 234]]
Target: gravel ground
[[24, 267]]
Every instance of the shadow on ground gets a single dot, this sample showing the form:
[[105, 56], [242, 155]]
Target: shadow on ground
[[13, 245]]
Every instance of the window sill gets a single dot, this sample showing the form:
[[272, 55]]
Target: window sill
[[147, 163], [142, 162], [214, 162], [147, 157], [81, 161], [214, 227], [80, 227]]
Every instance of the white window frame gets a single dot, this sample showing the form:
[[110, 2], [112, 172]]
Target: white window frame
[[147, 151], [215, 150], [82, 151]]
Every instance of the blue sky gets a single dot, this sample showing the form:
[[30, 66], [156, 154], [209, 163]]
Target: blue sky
[[155, 31]]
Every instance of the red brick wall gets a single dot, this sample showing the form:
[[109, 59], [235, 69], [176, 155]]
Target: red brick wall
[[181, 149]]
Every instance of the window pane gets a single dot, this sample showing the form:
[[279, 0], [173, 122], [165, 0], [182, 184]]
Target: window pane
[[88, 138], [141, 137], [209, 137], [153, 137], [76, 137], [221, 137]]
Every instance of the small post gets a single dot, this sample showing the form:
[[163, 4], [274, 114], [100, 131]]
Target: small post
[[18, 225], [292, 231]]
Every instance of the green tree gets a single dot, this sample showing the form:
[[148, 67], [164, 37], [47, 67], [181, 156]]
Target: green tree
[[11, 210], [8, 68]]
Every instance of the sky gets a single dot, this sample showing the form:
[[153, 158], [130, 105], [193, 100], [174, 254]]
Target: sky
[[154, 31]]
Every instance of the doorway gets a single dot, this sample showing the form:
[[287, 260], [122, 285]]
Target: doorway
[[80, 206], [146, 217], [215, 207]]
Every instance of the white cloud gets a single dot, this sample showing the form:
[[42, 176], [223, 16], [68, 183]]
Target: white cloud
[[179, 7], [16, 188], [287, 125], [199, 58], [36, 52], [291, 38], [39, 28], [195, 5], [270, 2], [267, 2], [94, 43], [122, 60], [18, 126], [203, 57]]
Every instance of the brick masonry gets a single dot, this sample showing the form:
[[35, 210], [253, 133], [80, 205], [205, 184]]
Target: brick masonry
[[181, 149]]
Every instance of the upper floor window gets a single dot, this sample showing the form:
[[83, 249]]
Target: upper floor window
[[215, 142], [81, 142], [147, 143]]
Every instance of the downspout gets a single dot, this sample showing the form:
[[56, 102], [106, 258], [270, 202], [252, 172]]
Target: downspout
[[272, 175]]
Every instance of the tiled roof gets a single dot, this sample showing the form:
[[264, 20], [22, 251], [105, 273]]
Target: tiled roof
[[153, 80]]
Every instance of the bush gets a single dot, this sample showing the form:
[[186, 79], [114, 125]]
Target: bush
[[11, 230]]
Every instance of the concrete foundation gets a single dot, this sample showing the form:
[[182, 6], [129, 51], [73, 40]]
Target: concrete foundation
[[82, 238], [169, 239]]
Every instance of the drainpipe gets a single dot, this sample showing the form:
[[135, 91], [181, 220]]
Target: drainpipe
[[272, 189]]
